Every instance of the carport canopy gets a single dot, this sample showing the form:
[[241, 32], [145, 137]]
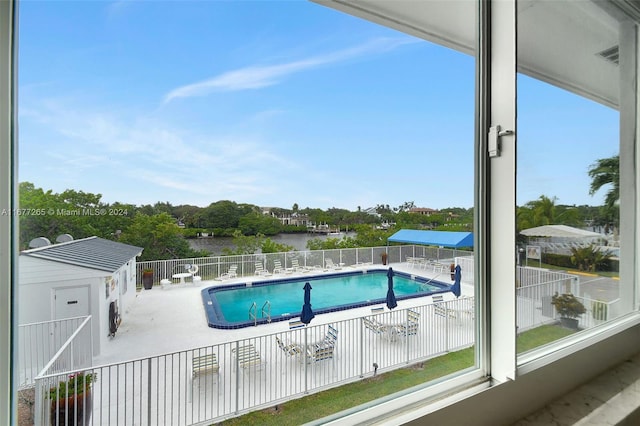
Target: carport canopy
[[559, 231], [433, 238]]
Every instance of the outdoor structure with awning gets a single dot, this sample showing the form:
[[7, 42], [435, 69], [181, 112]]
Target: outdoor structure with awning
[[559, 231], [433, 238]]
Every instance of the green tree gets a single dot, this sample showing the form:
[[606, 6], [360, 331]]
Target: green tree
[[270, 246], [160, 237], [78, 213], [589, 258], [254, 223], [544, 211], [606, 171], [245, 244], [225, 214]]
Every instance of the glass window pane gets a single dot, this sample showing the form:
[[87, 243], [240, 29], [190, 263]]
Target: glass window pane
[[161, 124], [568, 171]]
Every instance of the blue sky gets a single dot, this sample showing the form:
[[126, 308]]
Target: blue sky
[[272, 103]]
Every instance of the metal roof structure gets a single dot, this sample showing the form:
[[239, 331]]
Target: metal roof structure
[[433, 238], [93, 252], [559, 231]]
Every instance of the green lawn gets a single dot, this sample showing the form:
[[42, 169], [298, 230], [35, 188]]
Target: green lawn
[[540, 336], [331, 401]]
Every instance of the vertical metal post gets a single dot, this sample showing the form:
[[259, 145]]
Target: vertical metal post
[[149, 391], [306, 360], [237, 376], [361, 347]]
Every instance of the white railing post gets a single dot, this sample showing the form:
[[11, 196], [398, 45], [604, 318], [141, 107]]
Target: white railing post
[[237, 372], [148, 392], [306, 361], [362, 347]]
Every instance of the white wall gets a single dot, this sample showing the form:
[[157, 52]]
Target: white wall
[[39, 278]]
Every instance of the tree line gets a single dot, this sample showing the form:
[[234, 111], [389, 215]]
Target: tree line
[[161, 228]]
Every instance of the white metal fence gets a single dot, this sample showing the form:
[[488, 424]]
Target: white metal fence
[[39, 342], [212, 267], [536, 289], [208, 384], [76, 354]]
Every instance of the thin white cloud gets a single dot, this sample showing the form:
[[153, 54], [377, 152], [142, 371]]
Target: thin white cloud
[[256, 77], [86, 147]]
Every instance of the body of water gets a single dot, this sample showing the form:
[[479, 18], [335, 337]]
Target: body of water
[[215, 245]]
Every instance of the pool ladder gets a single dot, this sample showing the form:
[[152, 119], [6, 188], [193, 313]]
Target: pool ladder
[[423, 286], [266, 312]]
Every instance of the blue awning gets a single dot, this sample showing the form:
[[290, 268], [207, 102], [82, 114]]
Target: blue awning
[[433, 238]]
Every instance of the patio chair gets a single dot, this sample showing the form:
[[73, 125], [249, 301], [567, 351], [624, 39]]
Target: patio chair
[[410, 328], [278, 269], [231, 273], [295, 266], [320, 352], [441, 310], [331, 337], [261, 271], [291, 349], [330, 265], [201, 365], [247, 357], [374, 326]]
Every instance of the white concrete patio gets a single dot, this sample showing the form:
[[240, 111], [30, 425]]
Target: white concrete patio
[[164, 321]]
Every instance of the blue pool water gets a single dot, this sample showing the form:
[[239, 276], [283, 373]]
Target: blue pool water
[[228, 307]]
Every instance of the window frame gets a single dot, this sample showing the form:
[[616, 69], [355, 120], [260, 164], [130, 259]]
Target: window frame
[[495, 313]]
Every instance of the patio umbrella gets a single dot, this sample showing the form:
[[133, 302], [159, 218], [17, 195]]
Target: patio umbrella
[[391, 297], [455, 288], [307, 313]]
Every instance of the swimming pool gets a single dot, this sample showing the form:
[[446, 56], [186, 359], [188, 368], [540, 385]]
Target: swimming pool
[[228, 307]]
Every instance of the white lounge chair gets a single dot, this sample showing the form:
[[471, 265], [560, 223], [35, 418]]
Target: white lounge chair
[[330, 265], [231, 273], [295, 266], [261, 271], [278, 269]]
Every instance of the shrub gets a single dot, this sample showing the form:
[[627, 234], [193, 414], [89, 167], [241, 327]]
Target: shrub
[[75, 385], [567, 305]]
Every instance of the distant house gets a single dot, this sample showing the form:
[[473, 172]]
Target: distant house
[[91, 276], [423, 211], [295, 219], [372, 211], [452, 216]]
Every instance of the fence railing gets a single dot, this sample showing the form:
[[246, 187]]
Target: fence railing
[[214, 266], [211, 383], [76, 354], [534, 300], [39, 342]]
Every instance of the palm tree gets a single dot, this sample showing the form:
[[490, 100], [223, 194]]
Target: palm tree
[[603, 172], [544, 211]]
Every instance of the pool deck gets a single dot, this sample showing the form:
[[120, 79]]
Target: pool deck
[[162, 321]]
